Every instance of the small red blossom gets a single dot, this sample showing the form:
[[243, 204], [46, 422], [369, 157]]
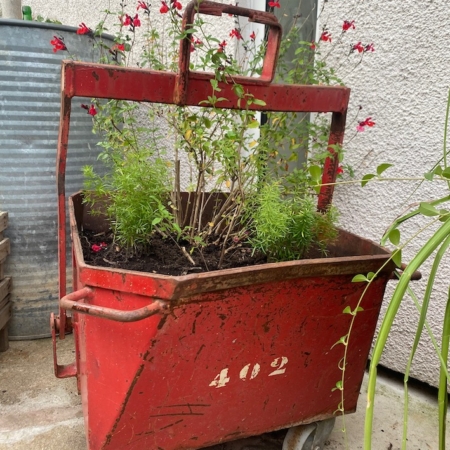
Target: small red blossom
[[120, 47], [312, 46], [369, 48], [176, 4], [58, 44], [132, 22], [164, 8], [144, 6], [222, 46], [275, 4], [98, 247], [90, 109], [136, 21], [365, 123], [358, 48], [127, 21], [340, 170], [83, 29], [325, 36], [347, 25], [253, 36], [236, 33]]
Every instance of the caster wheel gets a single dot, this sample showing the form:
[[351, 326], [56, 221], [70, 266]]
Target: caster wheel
[[309, 437]]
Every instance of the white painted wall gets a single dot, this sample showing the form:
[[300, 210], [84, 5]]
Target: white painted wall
[[403, 86]]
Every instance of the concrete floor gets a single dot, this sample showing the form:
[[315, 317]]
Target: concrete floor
[[40, 412]]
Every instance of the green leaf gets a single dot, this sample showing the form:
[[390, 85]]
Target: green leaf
[[429, 176], [253, 124], [437, 170], [214, 84], [428, 210], [342, 340], [347, 310], [338, 386], [156, 220], [315, 172], [382, 167], [446, 173], [397, 257], [394, 236], [359, 309], [256, 101], [366, 178], [370, 276], [359, 278]]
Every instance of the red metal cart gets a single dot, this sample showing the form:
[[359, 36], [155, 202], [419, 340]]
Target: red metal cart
[[191, 361]]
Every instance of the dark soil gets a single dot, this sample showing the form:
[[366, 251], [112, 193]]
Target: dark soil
[[162, 256]]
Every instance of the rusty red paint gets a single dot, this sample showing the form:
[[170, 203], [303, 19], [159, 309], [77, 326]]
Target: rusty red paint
[[241, 351]]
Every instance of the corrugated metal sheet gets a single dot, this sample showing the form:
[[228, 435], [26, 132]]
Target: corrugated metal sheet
[[29, 122]]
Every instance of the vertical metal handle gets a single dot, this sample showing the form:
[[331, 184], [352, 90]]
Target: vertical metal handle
[[218, 9]]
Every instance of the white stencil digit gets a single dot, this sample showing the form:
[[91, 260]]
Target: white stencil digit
[[244, 371], [221, 379], [279, 363]]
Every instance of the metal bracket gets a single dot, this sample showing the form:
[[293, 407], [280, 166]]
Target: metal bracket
[[61, 371]]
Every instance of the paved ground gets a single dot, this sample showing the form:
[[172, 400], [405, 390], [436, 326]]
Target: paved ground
[[40, 412]]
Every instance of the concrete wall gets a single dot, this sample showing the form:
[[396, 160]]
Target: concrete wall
[[403, 87]]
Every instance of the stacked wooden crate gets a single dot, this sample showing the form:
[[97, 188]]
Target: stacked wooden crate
[[5, 285]]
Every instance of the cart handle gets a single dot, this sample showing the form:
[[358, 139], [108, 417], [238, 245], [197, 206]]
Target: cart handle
[[218, 9], [72, 302]]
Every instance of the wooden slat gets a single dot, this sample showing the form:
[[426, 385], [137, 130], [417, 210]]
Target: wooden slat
[[5, 288], [3, 221], [4, 248], [2, 269], [5, 314]]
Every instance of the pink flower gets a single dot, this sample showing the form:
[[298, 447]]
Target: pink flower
[[275, 4], [347, 25], [236, 33], [164, 8], [58, 44], [358, 47], [325, 36], [253, 36], [83, 29]]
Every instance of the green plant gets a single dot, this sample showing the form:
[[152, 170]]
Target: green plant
[[214, 149]]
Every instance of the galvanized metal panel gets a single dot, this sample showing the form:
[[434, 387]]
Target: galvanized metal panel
[[30, 86]]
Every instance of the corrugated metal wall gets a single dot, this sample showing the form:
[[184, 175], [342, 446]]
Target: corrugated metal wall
[[29, 122]]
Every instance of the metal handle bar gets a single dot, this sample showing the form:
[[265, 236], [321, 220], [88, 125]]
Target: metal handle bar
[[218, 9], [72, 302]]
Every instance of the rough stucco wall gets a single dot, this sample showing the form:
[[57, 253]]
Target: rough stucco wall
[[403, 86]]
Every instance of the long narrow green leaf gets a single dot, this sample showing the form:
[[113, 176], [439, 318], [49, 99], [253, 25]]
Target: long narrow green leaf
[[443, 377], [420, 325], [427, 249]]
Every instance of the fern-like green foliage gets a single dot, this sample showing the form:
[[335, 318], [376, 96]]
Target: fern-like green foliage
[[285, 227]]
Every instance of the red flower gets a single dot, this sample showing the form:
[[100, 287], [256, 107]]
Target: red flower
[[128, 20], [325, 36], [90, 109], [365, 123], [253, 36], [83, 29], [358, 47], [236, 33], [136, 21], [144, 6], [369, 48], [222, 46], [275, 4], [347, 25], [340, 170], [58, 44], [312, 46], [120, 47], [97, 247], [176, 4], [164, 8]]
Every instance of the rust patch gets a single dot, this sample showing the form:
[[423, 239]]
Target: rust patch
[[95, 75]]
